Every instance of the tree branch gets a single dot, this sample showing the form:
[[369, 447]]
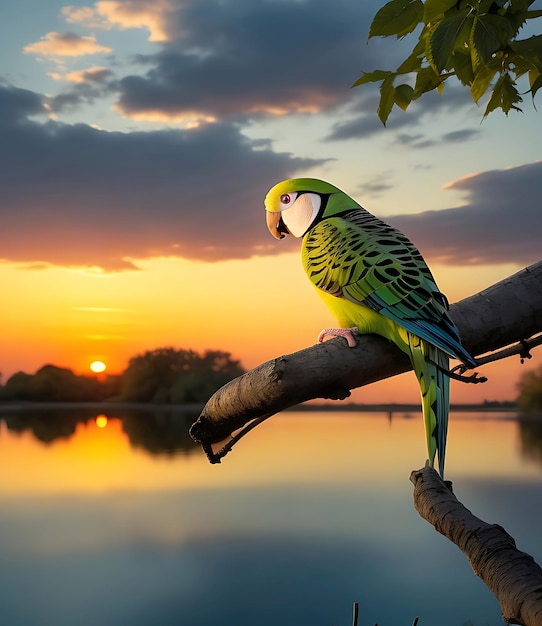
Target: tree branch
[[505, 313], [513, 576]]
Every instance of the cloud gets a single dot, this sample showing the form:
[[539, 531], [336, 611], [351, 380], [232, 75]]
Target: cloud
[[88, 17], [376, 186], [109, 14], [16, 105], [65, 44], [95, 74], [250, 59], [364, 123], [86, 86], [500, 222], [77, 196], [458, 136]]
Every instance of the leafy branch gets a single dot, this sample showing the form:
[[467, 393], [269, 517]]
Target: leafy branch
[[474, 40]]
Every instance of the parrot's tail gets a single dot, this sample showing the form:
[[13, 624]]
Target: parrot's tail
[[430, 364]]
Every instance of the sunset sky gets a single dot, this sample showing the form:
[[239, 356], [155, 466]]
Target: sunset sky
[[137, 142]]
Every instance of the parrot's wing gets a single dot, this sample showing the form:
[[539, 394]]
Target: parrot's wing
[[358, 257]]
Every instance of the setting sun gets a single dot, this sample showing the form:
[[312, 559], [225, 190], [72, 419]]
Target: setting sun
[[97, 367], [101, 421]]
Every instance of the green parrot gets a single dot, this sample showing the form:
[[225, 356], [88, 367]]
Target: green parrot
[[374, 280]]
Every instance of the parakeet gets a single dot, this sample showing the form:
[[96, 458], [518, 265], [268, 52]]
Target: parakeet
[[374, 280]]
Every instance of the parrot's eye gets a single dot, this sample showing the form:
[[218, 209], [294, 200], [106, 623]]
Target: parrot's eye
[[287, 198]]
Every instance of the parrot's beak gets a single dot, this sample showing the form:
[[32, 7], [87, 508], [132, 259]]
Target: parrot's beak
[[275, 224]]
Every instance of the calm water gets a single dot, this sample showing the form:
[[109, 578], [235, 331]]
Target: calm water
[[117, 519]]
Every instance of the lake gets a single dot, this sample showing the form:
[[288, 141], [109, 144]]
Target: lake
[[115, 518]]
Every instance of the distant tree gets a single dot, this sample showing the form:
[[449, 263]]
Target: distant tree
[[477, 41], [17, 387], [167, 375], [530, 391], [57, 384]]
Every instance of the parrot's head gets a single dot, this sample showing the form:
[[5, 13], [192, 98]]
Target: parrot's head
[[294, 205]]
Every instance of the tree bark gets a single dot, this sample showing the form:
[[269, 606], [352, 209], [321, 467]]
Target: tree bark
[[513, 576], [506, 312]]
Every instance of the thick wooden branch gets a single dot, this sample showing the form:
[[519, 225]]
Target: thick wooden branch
[[513, 576], [507, 312]]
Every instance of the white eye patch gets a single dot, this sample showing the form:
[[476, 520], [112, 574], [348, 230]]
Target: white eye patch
[[300, 215]]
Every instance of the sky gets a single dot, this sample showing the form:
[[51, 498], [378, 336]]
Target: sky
[[138, 139]]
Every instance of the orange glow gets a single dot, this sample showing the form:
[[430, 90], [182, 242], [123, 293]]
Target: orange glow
[[256, 309], [351, 445], [101, 421]]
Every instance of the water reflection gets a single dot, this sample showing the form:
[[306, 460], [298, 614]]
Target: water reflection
[[157, 431], [310, 512], [530, 431], [164, 431]]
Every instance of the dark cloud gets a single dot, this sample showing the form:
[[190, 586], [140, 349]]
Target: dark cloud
[[501, 221], [248, 59], [368, 124], [457, 136], [421, 142], [74, 195], [94, 84], [376, 186], [417, 140], [363, 121], [77, 196], [17, 104]]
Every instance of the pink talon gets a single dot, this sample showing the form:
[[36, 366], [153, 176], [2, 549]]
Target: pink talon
[[347, 333]]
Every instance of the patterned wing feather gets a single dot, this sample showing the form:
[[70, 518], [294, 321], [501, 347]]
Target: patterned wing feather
[[358, 257]]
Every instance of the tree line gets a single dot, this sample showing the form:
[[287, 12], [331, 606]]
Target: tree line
[[160, 376], [169, 376]]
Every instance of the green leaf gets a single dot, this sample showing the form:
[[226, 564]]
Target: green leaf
[[463, 68], [434, 10], [530, 48], [398, 17], [521, 65], [464, 36], [505, 96], [535, 80], [443, 40], [414, 61], [387, 99], [518, 13], [372, 77], [403, 96], [426, 80], [485, 5], [491, 32], [482, 79]]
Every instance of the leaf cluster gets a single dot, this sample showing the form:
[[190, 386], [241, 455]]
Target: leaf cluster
[[477, 41]]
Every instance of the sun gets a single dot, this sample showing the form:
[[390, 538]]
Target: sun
[[97, 367], [101, 420]]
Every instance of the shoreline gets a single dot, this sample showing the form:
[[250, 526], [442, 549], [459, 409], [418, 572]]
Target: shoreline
[[489, 407]]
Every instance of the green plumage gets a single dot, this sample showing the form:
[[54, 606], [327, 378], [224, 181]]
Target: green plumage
[[371, 276]]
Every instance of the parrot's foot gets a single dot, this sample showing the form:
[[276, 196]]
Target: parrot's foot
[[347, 333]]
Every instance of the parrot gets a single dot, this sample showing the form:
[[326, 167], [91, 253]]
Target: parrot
[[373, 280]]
